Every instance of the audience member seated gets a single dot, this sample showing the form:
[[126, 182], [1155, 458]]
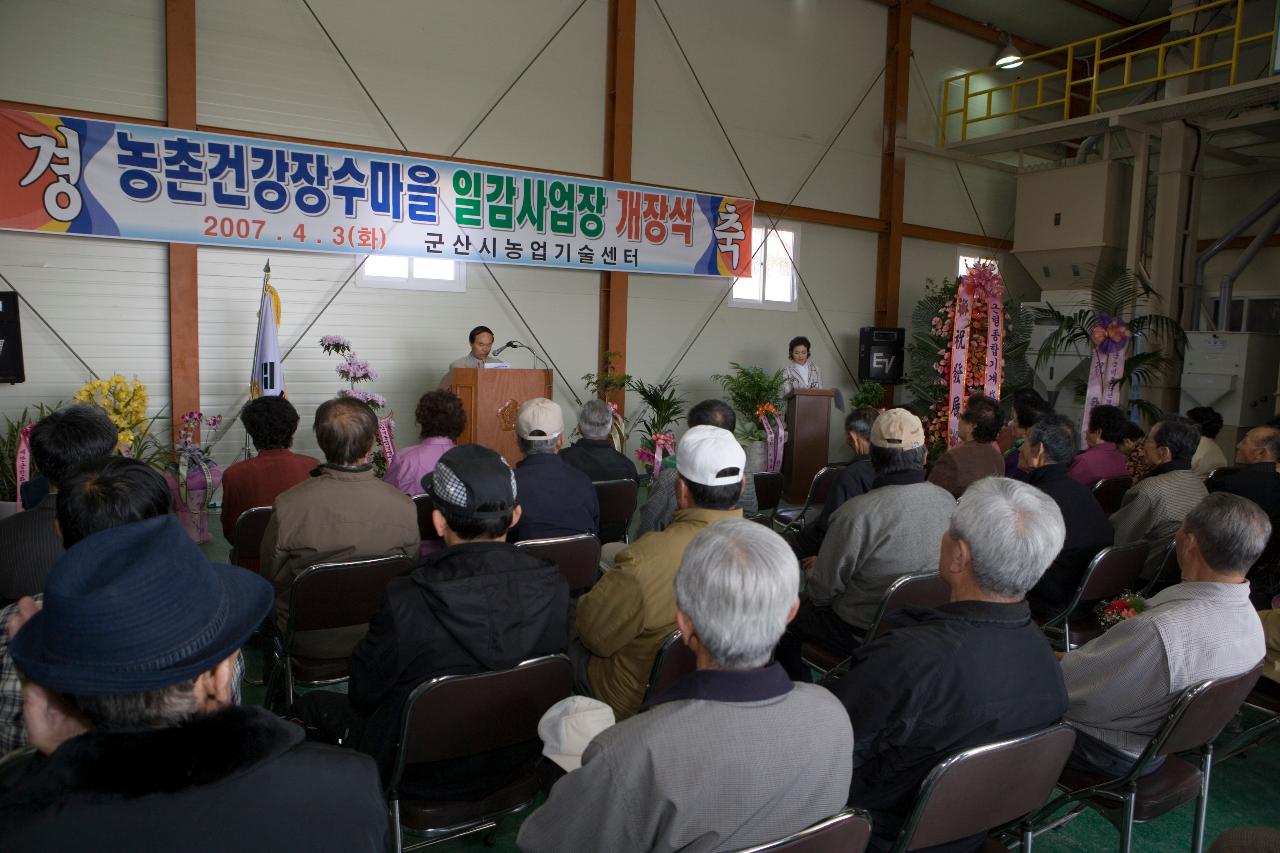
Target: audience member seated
[[29, 543], [593, 454], [1131, 446], [1102, 458], [133, 711], [659, 508], [970, 672], [623, 620], [1028, 410], [976, 456], [855, 479], [343, 512], [1257, 455], [556, 499], [1122, 685], [1155, 506], [102, 493], [1208, 455], [871, 541], [271, 423], [480, 604], [441, 420], [1046, 455], [731, 756]]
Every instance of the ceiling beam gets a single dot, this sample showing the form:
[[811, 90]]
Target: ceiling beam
[[1095, 9]]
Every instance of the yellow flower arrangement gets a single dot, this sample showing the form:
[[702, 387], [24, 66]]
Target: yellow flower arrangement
[[124, 401]]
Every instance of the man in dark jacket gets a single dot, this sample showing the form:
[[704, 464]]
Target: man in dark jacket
[[970, 672], [855, 479], [1045, 456], [556, 499], [593, 455], [480, 604], [1256, 454], [130, 708]]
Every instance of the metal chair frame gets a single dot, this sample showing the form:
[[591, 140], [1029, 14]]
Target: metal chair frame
[[938, 773], [426, 530], [243, 519], [817, 488], [635, 498], [488, 822], [1061, 624], [1093, 490], [765, 515], [832, 825], [525, 544], [1124, 790], [675, 638]]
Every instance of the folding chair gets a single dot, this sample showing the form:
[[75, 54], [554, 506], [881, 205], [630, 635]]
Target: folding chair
[[1110, 492], [924, 590], [768, 495], [618, 499], [1194, 723], [246, 538], [328, 596], [673, 661], [1169, 572], [426, 527], [458, 716], [1220, 472], [1111, 572], [846, 832], [795, 519], [578, 557], [985, 787]]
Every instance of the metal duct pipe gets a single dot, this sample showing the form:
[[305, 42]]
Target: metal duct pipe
[[1086, 147], [1269, 227], [1197, 292]]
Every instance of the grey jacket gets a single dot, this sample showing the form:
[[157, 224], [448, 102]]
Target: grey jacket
[[1154, 509], [874, 539], [719, 763]]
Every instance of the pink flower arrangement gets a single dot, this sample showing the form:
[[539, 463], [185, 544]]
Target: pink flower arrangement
[[355, 369], [352, 368], [187, 447], [335, 344], [377, 401]]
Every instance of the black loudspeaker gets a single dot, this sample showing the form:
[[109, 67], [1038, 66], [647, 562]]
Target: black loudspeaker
[[11, 368], [880, 354]]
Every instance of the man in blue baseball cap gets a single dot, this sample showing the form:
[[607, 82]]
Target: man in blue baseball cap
[[127, 694]]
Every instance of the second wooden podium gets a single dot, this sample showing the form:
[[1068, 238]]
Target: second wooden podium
[[490, 396], [808, 432]]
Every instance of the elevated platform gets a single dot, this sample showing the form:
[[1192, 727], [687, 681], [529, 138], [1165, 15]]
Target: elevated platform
[[1206, 104]]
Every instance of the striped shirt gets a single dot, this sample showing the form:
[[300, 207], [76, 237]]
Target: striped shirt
[[1153, 510], [1121, 685]]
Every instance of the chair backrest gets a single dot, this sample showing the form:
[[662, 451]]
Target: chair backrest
[[246, 536], [337, 595], [1221, 472], [674, 661], [577, 556], [454, 716], [1111, 491], [1202, 712], [846, 832], [769, 486], [426, 527], [926, 590], [1114, 570], [823, 482], [978, 789], [617, 498]]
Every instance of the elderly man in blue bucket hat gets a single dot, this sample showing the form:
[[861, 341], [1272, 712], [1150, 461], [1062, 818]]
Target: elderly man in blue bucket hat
[[127, 696]]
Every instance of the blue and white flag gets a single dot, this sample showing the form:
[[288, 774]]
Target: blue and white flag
[[267, 377]]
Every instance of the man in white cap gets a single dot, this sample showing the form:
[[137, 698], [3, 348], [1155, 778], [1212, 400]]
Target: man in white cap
[[557, 498], [622, 622], [874, 539]]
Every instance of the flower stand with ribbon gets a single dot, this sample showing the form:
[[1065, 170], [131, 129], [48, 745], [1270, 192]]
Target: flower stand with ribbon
[[1109, 337], [775, 436], [618, 429], [22, 464], [193, 487], [976, 358], [653, 448]]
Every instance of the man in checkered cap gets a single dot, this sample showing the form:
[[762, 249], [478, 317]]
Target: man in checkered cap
[[480, 604]]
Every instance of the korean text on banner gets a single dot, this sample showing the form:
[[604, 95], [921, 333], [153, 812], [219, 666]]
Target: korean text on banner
[[69, 175]]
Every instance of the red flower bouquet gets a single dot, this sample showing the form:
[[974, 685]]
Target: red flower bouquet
[[1127, 606]]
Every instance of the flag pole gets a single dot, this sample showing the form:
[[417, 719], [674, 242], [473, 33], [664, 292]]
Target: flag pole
[[257, 340]]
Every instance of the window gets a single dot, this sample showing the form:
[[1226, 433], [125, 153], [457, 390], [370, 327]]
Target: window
[[1258, 312], [966, 261], [403, 273], [773, 276]]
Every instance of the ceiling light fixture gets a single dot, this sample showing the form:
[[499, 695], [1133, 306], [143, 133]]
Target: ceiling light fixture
[[1008, 57]]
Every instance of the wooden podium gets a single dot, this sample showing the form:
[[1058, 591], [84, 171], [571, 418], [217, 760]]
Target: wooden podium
[[491, 396], [808, 433]]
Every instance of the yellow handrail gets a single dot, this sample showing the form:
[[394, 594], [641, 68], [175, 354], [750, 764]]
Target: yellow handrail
[[993, 102]]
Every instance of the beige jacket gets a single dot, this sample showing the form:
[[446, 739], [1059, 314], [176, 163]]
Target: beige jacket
[[632, 609], [341, 514]]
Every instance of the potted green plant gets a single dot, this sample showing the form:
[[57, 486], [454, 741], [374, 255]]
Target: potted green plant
[[663, 407], [753, 392], [607, 381]]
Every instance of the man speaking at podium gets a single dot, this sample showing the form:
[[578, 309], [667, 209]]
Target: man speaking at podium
[[481, 338]]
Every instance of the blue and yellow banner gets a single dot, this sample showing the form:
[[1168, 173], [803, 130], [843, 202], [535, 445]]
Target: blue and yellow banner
[[69, 175]]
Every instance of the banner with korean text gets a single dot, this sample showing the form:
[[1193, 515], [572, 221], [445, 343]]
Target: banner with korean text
[[69, 175]]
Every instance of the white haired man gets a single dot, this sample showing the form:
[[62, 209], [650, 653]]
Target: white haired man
[[717, 762], [594, 455], [1122, 684], [972, 671]]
